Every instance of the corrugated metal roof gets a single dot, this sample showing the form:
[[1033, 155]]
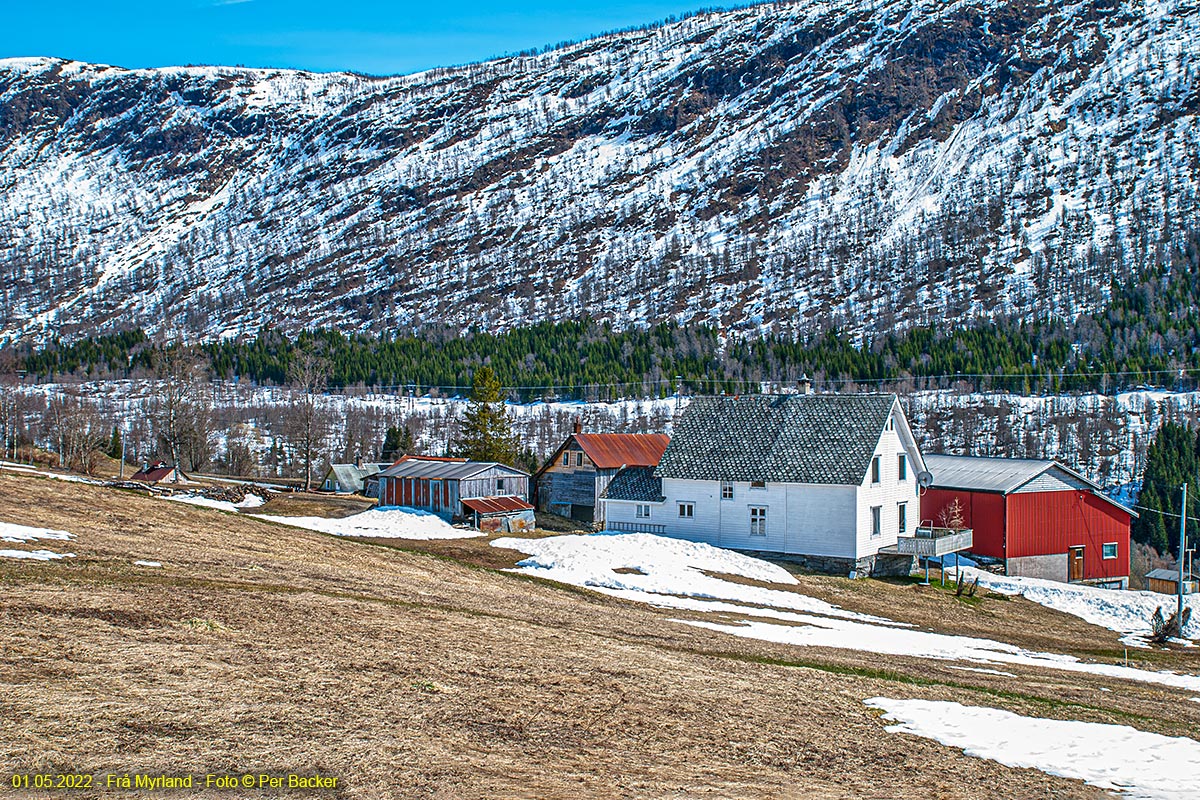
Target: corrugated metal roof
[[637, 484], [984, 474], [821, 438], [496, 505], [1171, 575], [1001, 475], [615, 450], [442, 470]]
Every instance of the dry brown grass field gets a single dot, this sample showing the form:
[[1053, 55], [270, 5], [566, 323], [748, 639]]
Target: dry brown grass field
[[423, 670]]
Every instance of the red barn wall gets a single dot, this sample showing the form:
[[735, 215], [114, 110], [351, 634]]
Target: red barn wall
[[1045, 523], [982, 511]]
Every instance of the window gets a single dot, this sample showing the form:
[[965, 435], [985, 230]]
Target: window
[[891, 424], [499, 485], [876, 521], [579, 459], [687, 510], [643, 512], [758, 484], [902, 517], [726, 490], [566, 459], [758, 521], [874, 469], [902, 467], [1109, 550]]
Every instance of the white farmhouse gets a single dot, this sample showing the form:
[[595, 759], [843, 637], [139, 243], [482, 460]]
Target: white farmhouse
[[827, 480]]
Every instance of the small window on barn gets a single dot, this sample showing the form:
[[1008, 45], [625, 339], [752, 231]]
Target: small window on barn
[[687, 510], [1109, 550], [876, 521], [758, 521], [874, 469], [643, 512], [902, 467], [726, 490], [499, 485], [758, 484], [579, 459], [566, 459]]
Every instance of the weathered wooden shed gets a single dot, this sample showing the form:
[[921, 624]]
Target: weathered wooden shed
[[573, 481], [1041, 518], [500, 514], [441, 485], [1166, 581]]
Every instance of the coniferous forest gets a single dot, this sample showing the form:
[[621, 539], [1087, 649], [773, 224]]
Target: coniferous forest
[[1148, 334]]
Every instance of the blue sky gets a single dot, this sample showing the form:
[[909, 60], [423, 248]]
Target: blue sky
[[364, 35]]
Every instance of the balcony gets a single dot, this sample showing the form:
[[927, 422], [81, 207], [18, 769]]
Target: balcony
[[928, 541]]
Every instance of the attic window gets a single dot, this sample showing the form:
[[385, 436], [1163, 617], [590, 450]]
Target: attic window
[[579, 459], [758, 484], [499, 485], [566, 459], [891, 425], [875, 469]]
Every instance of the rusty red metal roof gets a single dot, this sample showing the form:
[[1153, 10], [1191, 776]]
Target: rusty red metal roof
[[496, 505], [615, 450], [154, 473]]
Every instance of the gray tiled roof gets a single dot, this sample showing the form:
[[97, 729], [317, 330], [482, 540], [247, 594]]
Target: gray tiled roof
[[637, 484], [444, 470], [812, 438]]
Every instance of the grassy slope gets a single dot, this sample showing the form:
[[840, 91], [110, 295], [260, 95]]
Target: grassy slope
[[262, 647]]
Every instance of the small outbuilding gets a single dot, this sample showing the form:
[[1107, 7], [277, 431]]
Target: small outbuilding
[[350, 478], [1166, 581], [158, 472], [1040, 518], [572, 482], [441, 485], [500, 514]]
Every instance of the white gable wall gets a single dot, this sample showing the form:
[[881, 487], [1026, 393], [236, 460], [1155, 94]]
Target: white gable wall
[[889, 492]]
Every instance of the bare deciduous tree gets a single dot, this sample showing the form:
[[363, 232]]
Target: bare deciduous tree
[[309, 420], [181, 409]]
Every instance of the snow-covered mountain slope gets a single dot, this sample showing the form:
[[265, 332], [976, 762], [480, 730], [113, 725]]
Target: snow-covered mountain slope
[[781, 167]]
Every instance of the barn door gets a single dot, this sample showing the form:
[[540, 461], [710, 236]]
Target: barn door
[[1075, 564]]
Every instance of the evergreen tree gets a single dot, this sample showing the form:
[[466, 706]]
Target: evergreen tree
[[1172, 459], [114, 444], [396, 442], [486, 434]]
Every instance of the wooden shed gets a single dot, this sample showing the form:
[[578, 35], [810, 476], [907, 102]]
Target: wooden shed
[[1166, 581], [1040, 518], [441, 485], [572, 482]]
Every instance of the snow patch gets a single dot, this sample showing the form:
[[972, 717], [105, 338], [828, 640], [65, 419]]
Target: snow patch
[[386, 523], [10, 532], [1125, 612], [147, 564], [35, 555], [1147, 766]]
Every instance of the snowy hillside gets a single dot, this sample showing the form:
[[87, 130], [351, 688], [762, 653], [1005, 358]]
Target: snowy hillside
[[778, 167]]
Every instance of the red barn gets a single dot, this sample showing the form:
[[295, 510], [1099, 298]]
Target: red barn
[[1042, 519]]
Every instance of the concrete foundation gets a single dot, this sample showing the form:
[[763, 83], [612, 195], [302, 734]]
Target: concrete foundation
[[883, 565], [1049, 568]]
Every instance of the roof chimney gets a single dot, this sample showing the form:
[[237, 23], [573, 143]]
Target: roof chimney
[[804, 385], [577, 427]]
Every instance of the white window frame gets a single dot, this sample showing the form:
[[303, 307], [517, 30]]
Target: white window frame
[[876, 521], [758, 520], [876, 470], [726, 490], [689, 507], [901, 466], [902, 518], [567, 459], [1116, 550], [499, 485], [643, 511]]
